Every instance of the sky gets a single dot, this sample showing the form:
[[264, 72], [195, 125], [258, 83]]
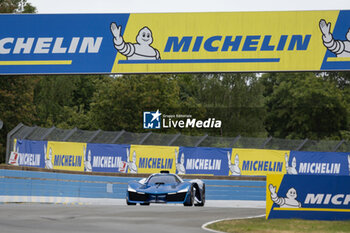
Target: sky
[[149, 6]]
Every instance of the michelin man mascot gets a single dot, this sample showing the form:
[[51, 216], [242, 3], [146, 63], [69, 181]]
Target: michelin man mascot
[[234, 168], [285, 202], [291, 170], [338, 47], [132, 167], [48, 161], [180, 167], [87, 162], [142, 50]]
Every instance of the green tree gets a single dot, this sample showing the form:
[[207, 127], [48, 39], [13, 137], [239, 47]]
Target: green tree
[[64, 101], [342, 81], [16, 105], [303, 105], [16, 92], [236, 99], [119, 103], [16, 6]]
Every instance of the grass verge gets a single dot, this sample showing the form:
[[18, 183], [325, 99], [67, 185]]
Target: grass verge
[[261, 225]]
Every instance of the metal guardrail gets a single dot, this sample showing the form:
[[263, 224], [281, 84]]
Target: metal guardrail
[[22, 131]]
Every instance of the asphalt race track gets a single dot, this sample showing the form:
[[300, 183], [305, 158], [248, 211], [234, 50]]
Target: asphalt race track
[[37, 218]]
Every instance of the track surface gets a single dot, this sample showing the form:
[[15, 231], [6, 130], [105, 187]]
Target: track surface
[[43, 218]]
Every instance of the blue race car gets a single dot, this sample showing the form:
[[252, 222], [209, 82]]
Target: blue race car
[[166, 188]]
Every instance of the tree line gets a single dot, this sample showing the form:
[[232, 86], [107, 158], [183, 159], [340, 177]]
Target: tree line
[[282, 105]]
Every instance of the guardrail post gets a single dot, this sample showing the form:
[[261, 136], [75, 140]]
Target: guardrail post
[[29, 132], [302, 144], [70, 134], [235, 140], [118, 136], [49, 131], [201, 140], [338, 145], [144, 138], [174, 139], [265, 143], [94, 135]]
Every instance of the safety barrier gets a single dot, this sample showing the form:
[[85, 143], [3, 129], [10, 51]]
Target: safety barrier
[[125, 158], [49, 187]]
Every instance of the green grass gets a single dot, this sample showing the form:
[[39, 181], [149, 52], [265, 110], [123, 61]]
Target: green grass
[[261, 225]]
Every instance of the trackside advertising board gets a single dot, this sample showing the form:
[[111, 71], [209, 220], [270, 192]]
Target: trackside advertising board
[[65, 156], [106, 158], [152, 159], [203, 160], [258, 162], [91, 157], [28, 153], [318, 163], [308, 197], [175, 42]]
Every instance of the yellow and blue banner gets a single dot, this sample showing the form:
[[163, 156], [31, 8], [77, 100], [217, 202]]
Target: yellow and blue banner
[[91, 157], [28, 153], [175, 42], [318, 163], [106, 157], [258, 162], [65, 155], [203, 160], [308, 197], [151, 159]]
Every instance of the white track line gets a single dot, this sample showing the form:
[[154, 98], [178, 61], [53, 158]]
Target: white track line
[[119, 201], [204, 226]]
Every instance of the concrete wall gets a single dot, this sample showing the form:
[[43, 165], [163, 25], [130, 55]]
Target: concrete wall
[[49, 187]]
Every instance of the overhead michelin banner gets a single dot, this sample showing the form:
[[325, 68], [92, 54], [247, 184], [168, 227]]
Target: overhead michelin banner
[[308, 197], [175, 42]]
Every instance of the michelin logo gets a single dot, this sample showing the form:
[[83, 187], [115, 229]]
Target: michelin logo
[[142, 50], [151, 120], [203, 164], [24, 159], [325, 199], [49, 45], [312, 168], [238, 43], [341, 48]]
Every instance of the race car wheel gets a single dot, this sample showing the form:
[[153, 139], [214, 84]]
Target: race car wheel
[[190, 199], [203, 198], [146, 203], [129, 203]]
